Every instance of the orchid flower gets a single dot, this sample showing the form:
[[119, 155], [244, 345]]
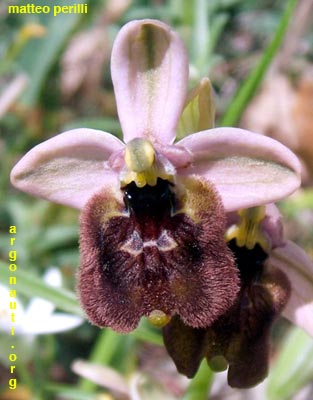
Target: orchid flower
[[38, 318], [153, 212], [275, 278]]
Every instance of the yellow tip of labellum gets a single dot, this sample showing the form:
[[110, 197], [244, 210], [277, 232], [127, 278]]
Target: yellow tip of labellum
[[158, 318]]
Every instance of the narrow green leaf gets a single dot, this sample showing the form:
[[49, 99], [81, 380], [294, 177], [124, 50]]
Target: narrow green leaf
[[217, 26], [254, 79], [32, 286], [201, 30], [294, 367], [109, 342], [102, 353]]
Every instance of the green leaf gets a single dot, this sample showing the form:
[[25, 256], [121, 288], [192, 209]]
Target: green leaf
[[32, 286], [201, 31], [254, 79], [102, 353], [293, 368], [109, 342]]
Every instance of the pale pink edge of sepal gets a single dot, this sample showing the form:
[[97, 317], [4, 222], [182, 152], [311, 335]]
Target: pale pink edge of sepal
[[298, 267], [214, 154], [68, 168]]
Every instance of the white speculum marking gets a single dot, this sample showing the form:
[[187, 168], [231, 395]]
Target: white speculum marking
[[135, 245]]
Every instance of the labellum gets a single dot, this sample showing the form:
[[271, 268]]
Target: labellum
[[155, 247], [240, 337], [263, 295]]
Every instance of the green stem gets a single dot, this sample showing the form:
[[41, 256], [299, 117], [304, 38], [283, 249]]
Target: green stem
[[199, 387]]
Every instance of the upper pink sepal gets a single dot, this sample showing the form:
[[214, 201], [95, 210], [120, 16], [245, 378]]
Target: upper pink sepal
[[68, 168], [248, 169], [298, 267], [149, 69]]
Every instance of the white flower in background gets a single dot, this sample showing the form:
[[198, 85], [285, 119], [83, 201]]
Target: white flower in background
[[38, 317], [137, 386]]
